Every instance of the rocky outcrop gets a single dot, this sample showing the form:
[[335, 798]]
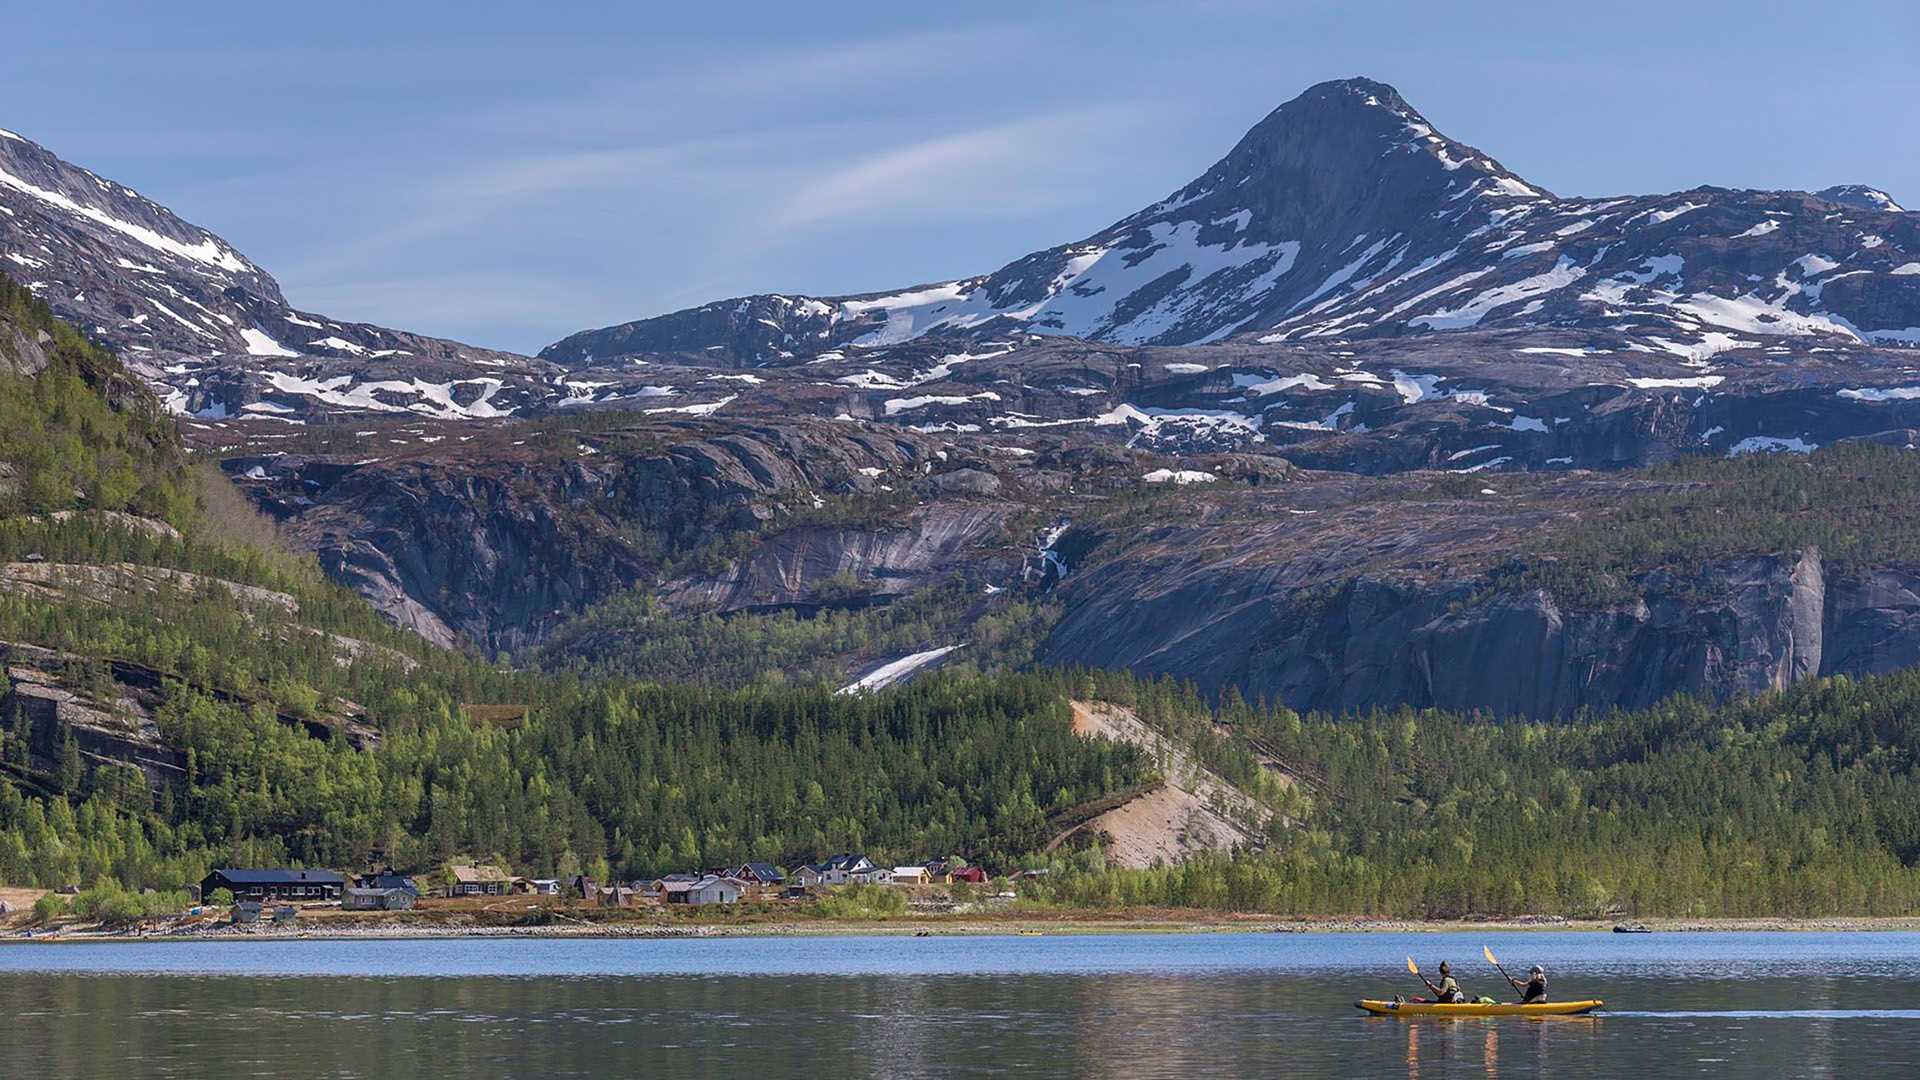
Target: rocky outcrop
[[1738, 627], [889, 560], [49, 697], [498, 550]]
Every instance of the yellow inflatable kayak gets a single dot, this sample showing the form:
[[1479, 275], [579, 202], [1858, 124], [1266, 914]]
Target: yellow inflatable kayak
[[1468, 1008]]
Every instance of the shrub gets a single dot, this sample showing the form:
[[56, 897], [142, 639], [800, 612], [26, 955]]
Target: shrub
[[864, 902], [48, 908]]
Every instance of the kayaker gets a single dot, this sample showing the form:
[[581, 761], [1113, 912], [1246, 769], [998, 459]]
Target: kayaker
[[1448, 992], [1535, 988]]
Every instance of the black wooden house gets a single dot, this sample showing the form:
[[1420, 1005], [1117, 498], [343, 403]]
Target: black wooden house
[[262, 885]]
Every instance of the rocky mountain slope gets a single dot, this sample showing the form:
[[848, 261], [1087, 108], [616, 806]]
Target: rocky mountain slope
[[1289, 431], [211, 329]]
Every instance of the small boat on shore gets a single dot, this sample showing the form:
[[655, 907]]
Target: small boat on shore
[[1631, 928], [1469, 1008]]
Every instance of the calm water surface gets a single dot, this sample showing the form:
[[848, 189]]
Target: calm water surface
[[1748, 1004]]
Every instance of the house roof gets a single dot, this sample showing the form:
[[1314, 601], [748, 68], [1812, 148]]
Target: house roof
[[713, 879], [763, 871], [909, 871], [843, 862], [386, 881], [478, 874], [282, 877]]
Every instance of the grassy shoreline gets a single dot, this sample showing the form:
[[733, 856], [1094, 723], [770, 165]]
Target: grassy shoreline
[[401, 927]]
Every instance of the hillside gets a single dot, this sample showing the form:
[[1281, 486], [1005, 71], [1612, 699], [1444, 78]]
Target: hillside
[[1191, 811], [180, 690], [1789, 803]]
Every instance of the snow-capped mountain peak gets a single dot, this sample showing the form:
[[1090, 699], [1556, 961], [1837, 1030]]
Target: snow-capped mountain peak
[[1345, 213]]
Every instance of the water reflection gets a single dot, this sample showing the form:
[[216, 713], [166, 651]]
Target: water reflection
[[1209, 1012]]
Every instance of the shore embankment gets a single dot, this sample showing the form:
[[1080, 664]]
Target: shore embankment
[[335, 925]]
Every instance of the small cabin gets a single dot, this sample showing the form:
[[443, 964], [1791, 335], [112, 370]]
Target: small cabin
[[716, 890], [478, 881]]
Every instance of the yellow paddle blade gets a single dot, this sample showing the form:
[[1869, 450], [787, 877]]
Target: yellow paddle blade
[[1413, 967], [1488, 953]]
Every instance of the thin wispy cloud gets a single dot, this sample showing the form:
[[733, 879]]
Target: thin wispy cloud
[[680, 92], [1001, 168]]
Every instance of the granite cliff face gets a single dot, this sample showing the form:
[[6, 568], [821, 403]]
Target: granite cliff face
[[498, 547], [1742, 627]]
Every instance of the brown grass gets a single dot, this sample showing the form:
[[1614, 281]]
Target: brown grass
[[20, 902]]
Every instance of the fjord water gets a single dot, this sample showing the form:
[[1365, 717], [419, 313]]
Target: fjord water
[[1132, 1005]]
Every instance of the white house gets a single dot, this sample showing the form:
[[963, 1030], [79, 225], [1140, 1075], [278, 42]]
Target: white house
[[839, 869], [870, 875], [716, 890]]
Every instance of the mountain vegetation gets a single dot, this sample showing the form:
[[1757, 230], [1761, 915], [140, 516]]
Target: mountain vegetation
[[79, 431], [1797, 803], [635, 635]]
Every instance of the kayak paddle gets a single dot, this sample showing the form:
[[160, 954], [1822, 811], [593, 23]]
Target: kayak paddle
[[1415, 968], [1495, 961]]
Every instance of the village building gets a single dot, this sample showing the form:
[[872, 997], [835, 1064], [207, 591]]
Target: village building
[[478, 881], [676, 891], [658, 887], [805, 876], [387, 880], [870, 875], [908, 875], [716, 890], [377, 900], [245, 912], [839, 869], [263, 885], [972, 875], [545, 886], [759, 873]]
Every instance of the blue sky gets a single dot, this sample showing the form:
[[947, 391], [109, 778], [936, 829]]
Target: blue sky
[[507, 174]]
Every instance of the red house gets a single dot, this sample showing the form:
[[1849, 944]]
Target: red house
[[972, 874]]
